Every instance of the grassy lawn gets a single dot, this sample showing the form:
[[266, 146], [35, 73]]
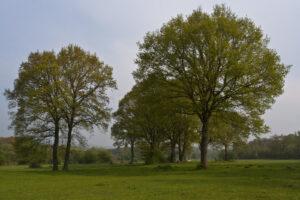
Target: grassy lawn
[[256, 179]]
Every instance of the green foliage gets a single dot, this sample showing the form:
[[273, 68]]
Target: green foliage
[[93, 155], [7, 153], [70, 85], [276, 147], [218, 62], [31, 152], [149, 116]]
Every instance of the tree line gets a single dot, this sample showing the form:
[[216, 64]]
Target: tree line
[[204, 78], [275, 147]]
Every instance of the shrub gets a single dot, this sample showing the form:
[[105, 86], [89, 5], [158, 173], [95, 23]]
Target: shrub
[[95, 155]]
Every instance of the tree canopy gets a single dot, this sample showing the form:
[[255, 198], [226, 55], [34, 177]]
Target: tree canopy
[[220, 63]]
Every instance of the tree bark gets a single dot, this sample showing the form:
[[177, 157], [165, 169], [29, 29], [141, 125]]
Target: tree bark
[[132, 152], [225, 152], [182, 154], [180, 146], [172, 155], [151, 154], [68, 148], [204, 143], [55, 147]]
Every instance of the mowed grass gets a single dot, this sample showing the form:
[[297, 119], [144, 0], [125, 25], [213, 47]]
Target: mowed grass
[[255, 179]]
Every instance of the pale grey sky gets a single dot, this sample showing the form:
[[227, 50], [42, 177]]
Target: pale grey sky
[[112, 28]]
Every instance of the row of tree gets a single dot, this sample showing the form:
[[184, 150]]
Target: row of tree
[[59, 94], [204, 78], [215, 70], [276, 147], [146, 119]]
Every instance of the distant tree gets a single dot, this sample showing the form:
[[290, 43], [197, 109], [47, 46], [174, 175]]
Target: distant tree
[[96, 155], [217, 61], [275, 147], [188, 135], [7, 153], [231, 128], [30, 151], [35, 102], [85, 81]]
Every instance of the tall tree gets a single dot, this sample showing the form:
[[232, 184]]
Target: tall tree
[[86, 80], [221, 62], [35, 102]]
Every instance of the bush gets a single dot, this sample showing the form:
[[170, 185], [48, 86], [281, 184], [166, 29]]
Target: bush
[[163, 168], [30, 151], [7, 153], [94, 155], [34, 165]]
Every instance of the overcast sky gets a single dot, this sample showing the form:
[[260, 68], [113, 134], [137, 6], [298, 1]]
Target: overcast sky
[[112, 28]]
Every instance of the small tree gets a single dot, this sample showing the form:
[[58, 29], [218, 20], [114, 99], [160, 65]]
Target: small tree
[[125, 130], [231, 128]]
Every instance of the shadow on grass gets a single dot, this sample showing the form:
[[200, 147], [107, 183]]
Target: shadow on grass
[[245, 169], [119, 170]]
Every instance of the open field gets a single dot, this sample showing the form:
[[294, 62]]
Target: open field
[[256, 179]]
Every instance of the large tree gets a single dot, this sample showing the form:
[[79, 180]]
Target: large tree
[[65, 91], [220, 63], [35, 101], [85, 81]]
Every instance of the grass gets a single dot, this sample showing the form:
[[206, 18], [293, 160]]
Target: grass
[[256, 179]]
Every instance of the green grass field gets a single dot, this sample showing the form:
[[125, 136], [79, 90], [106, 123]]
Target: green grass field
[[233, 180]]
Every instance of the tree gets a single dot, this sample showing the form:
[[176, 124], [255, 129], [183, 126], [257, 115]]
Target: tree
[[231, 128], [125, 130], [188, 131], [217, 61], [276, 147], [85, 80], [149, 116], [35, 102]]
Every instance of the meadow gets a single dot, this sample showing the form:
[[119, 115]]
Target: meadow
[[247, 179]]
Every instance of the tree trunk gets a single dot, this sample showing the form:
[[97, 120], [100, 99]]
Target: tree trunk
[[151, 156], [172, 155], [55, 147], [68, 148], [132, 152], [182, 154], [180, 149], [225, 152], [204, 143]]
